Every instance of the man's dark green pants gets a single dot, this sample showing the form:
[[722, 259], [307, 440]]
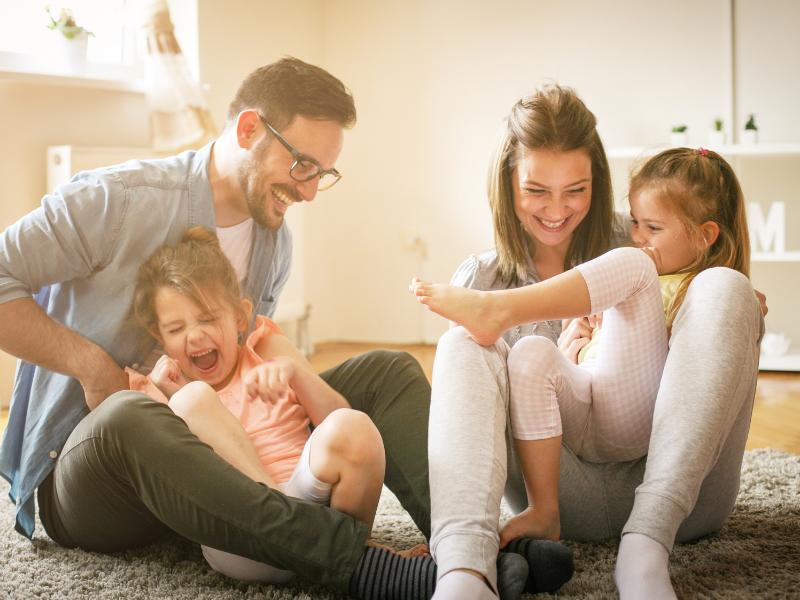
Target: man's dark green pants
[[131, 471]]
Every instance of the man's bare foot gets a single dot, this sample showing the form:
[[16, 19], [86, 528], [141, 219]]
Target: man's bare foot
[[472, 309], [532, 524], [418, 550]]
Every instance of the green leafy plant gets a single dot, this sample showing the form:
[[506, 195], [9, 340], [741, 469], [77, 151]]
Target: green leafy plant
[[751, 123], [65, 24], [718, 124], [679, 129]]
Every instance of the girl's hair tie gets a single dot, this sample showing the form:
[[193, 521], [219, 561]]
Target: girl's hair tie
[[703, 151]]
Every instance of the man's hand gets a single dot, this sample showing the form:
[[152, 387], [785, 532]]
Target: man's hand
[[575, 334], [106, 379], [270, 380], [167, 376], [28, 333]]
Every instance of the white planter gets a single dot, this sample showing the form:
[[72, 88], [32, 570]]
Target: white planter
[[716, 138], [678, 139], [749, 136], [68, 56]]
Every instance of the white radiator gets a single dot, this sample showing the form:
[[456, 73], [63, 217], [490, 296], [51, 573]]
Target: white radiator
[[63, 162]]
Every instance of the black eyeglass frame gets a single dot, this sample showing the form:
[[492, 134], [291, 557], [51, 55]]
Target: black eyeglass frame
[[299, 158]]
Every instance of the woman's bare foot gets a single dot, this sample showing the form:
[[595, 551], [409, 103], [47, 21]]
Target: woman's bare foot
[[472, 309], [533, 524], [418, 550]]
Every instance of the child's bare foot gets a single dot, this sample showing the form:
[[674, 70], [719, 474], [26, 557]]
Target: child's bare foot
[[471, 309], [418, 550], [533, 524]]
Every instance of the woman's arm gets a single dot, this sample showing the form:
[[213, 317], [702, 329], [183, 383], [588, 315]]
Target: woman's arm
[[287, 366]]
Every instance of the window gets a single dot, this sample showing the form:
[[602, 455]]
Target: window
[[29, 46]]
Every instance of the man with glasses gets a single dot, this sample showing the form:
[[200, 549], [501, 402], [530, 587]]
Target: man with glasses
[[115, 470]]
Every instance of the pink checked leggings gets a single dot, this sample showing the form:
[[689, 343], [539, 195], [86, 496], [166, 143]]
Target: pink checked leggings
[[604, 406]]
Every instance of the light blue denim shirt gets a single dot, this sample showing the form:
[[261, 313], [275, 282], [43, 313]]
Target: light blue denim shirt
[[79, 256]]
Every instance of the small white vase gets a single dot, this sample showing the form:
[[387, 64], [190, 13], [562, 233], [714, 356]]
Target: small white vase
[[68, 56], [749, 137], [678, 139], [716, 138]]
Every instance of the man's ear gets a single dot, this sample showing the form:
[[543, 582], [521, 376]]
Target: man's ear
[[248, 126], [243, 320], [709, 232]]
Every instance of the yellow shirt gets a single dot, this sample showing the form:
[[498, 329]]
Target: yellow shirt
[[669, 285]]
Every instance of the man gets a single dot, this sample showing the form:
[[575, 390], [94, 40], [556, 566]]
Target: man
[[128, 471], [116, 470]]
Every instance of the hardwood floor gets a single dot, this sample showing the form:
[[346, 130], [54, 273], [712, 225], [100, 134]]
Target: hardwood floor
[[776, 414]]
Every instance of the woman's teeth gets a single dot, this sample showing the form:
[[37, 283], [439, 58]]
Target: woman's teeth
[[551, 224]]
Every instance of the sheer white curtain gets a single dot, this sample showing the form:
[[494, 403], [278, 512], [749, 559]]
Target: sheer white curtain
[[179, 117]]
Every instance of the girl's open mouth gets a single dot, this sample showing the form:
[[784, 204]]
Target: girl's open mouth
[[205, 361]]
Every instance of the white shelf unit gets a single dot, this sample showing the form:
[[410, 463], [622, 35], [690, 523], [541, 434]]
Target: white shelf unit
[[726, 150], [786, 362]]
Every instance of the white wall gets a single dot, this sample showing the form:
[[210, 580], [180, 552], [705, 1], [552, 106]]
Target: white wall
[[432, 81], [768, 67], [238, 36]]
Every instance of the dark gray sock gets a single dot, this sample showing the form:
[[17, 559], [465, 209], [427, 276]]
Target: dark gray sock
[[512, 575], [381, 575], [550, 564]]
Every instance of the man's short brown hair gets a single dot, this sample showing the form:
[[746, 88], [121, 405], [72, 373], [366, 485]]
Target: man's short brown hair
[[289, 87]]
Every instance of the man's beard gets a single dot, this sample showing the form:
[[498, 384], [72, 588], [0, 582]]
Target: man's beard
[[260, 200]]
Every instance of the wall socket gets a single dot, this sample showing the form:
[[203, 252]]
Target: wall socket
[[413, 242]]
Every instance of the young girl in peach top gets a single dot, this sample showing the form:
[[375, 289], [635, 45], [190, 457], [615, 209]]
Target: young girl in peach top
[[251, 399], [688, 215]]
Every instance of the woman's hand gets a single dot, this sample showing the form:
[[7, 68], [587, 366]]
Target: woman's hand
[[270, 380], [655, 256], [575, 334], [762, 300], [167, 376]]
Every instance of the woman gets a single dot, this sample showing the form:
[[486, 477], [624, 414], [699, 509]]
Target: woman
[[551, 200]]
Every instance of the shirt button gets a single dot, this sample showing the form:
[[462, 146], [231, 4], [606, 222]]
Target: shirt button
[[19, 500], [53, 454], [135, 367]]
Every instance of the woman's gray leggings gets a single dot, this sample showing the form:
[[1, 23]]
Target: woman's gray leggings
[[684, 488]]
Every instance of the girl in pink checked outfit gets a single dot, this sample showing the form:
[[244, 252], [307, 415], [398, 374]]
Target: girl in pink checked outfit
[[252, 402], [688, 215]]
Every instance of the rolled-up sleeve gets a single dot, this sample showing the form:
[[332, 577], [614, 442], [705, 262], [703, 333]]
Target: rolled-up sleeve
[[66, 238]]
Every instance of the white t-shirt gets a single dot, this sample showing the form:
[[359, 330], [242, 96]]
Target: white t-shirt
[[237, 244]]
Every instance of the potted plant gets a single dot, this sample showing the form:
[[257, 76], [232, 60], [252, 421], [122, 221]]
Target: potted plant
[[716, 137], [750, 133], [70, 42], [678, 137]]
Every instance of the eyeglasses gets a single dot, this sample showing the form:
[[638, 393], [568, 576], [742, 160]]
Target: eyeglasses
[[304, 169]]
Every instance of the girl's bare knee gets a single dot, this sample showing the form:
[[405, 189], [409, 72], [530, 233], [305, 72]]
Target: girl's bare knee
[[194, 397], [352, 435]]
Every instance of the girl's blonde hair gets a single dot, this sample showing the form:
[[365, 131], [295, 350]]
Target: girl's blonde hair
[[197, 268], [698, 186], [552, 118]]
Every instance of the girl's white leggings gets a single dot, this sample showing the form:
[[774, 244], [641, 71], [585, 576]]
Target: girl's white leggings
[[604, 406]]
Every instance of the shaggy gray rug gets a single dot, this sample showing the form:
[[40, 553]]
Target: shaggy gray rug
[[756, 554]]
